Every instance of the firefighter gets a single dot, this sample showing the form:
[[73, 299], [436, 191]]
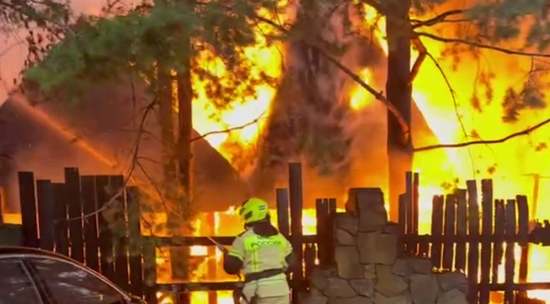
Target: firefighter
[[263, 255]]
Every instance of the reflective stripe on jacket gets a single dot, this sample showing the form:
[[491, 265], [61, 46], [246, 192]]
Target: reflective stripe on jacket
[[259, 254]]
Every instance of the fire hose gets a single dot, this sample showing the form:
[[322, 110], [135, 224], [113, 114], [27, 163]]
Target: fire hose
[[238, 291]]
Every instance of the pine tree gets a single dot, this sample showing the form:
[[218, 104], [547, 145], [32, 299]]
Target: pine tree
[[101, 50]]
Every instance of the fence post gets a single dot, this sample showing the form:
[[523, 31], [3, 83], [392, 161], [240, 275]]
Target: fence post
[[296, 205], [121, 228], [321, 213], [105, 235], [134, 241], [473, 232], [510, 263], [437, 230], [28, 209], [486, 233], [282, 211], [60, 218], [450, 232], [150, 272], [331, 209], [461, 228], [74, 202], [89, 208], [45, 214], [499, 227]]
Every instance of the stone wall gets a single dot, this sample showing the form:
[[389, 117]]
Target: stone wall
[[370, 267]]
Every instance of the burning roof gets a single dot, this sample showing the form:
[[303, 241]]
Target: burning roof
[[98, 136]]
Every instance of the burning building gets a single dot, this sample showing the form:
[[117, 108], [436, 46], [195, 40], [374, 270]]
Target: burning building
[[456, 99]]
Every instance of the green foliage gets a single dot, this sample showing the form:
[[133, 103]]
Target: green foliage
[[516, 27], [531, 96], [149, 42], [501, 21], [41, 13]]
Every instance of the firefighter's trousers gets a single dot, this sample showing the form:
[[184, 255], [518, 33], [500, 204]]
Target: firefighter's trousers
[[269, 300], [272, 290]]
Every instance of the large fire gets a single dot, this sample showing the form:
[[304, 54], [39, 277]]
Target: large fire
[[508, 164]]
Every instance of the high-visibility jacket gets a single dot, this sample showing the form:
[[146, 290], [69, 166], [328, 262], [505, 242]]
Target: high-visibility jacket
[[260, 254]]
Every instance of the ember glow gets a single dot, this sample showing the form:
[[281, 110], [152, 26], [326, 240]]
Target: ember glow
[[508, 164]]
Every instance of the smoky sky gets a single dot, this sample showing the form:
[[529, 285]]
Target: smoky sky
[[13, 49]]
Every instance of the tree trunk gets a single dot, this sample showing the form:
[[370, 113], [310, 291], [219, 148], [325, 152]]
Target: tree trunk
[[183, 156], [399, 91], [166, 121], [185, 133]]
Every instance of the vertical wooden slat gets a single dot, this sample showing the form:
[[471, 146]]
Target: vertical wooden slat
[[499, 229], [150, 272], [28, 209], [437, 229], [408, 243], [486, 232], [60, 218], [283, 217], [409, 192], [461, 228], [402, 214], [523, 238], [321, 210], [473, 246], [296, 206], [121, 241], [105, 235], [309, 260], [74, 202], [450, 231], [134, 241], [331, 205], [45, 202], [523, 219], [415, 202], [89, 208], [212, 263], [510, 232]]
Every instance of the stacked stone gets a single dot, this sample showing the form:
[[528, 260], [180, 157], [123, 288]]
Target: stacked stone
[[370, 269]]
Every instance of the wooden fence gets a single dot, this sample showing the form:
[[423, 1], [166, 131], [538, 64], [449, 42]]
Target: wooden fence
[[475, 237], [52, 219], [64, 217], [466, 234]]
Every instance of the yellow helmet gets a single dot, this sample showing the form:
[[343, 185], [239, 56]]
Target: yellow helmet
[[253, 210]]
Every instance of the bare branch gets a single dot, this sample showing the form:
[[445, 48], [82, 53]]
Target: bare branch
[[437, 19], [485, 142], [250, 123], [378, 95], [148, 159], [129, 174], [481, 45], [421, 57]]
